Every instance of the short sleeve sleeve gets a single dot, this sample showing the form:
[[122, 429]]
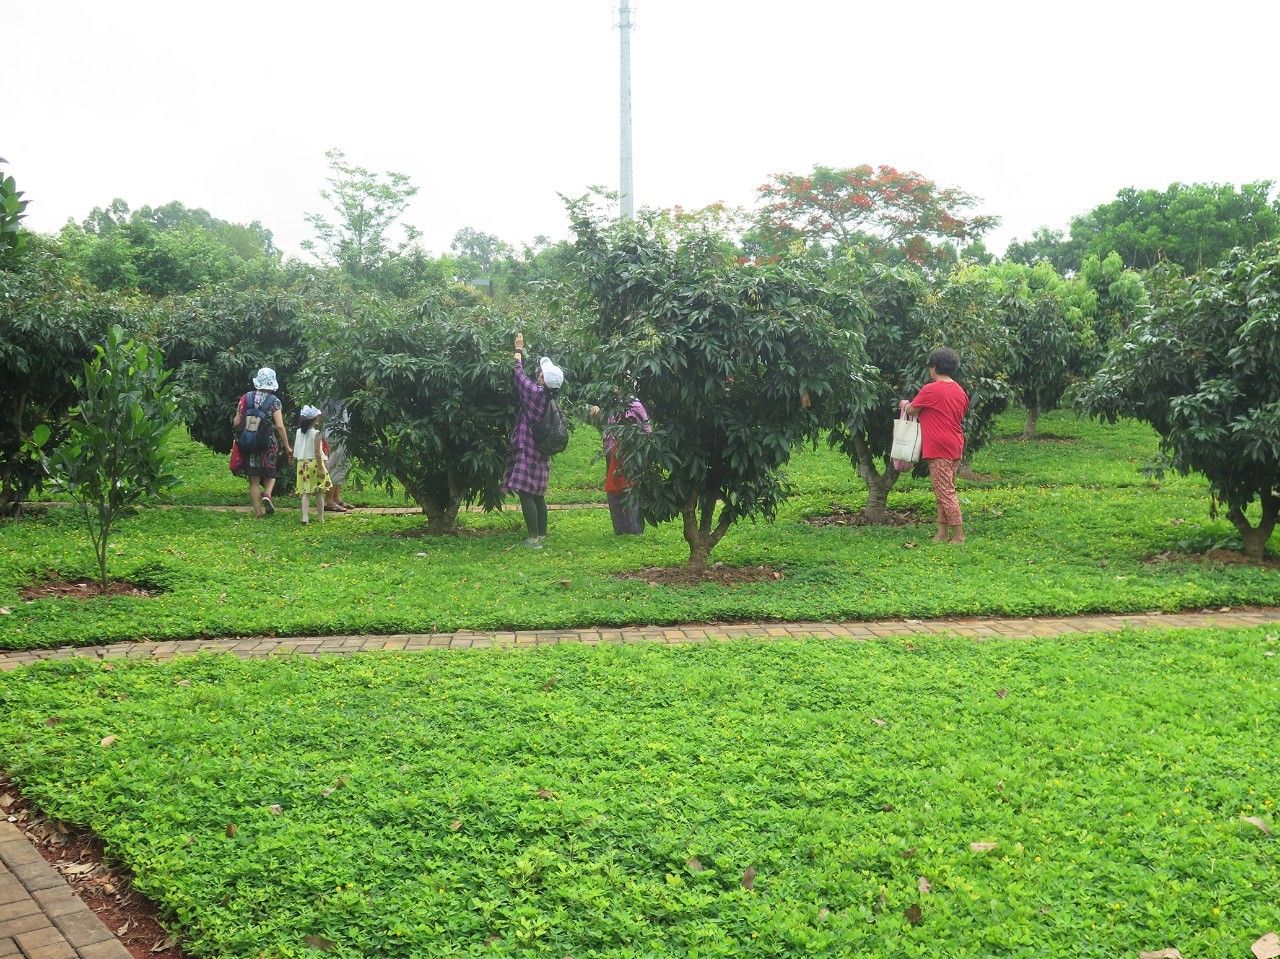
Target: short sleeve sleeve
[[926, 398]]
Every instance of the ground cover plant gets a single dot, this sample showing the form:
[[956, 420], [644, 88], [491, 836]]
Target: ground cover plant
[[802, 798], [1065, 548]]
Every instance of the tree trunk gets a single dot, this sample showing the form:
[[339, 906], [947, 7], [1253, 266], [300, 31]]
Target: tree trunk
[[1033, 416], [440, 505], [699, 532], [442, 518], [1255, 537], [699, 549], [878, 484]]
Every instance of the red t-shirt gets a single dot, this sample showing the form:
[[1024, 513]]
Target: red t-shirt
[[942, 407]]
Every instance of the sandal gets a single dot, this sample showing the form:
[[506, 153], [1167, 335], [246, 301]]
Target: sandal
[[267, 505]]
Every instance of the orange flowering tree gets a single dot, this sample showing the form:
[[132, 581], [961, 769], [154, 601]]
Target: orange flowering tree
[[895, 215]]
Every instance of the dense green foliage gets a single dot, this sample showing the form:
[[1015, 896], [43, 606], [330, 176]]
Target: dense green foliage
[[735, 363], [1049, 320], [430, 397], [167, 250], [1121, 295], [610, 801], [1203, 368], [49, 325], [216, 340], [114, 456], [1193, 225], [12, 212]]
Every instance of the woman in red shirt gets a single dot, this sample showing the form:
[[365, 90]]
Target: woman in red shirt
[[941, 405]]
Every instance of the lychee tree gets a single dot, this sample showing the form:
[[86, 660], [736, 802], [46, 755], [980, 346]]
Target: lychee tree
[[737, 363], [1203, 368]]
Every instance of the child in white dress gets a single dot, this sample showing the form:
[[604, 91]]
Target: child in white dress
[[308, 453]]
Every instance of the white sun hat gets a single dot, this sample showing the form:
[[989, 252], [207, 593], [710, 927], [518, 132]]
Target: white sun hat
[[266, 379], [552, 375]]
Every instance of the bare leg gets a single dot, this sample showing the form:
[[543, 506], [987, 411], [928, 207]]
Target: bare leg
[[944, 531], [320, 506], [270, 485], [957, 533], [306, 501], [255, 495]]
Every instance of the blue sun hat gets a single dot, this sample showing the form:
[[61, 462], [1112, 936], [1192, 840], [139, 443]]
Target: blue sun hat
[[266, 379]]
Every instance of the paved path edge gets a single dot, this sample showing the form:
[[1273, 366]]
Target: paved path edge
[[40, 916], [1035, 627]]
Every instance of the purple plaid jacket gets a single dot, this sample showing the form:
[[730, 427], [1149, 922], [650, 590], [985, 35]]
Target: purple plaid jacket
[[527, 468]]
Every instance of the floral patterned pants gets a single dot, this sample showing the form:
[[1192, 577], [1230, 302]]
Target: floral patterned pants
[[943, 475]]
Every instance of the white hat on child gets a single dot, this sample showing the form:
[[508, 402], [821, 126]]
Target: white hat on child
[[310, 412]]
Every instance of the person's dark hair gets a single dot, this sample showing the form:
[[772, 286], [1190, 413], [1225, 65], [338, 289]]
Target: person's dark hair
[[945, 361], [305, 424]]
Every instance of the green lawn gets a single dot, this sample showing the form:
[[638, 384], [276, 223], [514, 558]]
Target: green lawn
[[1082, 452], [579, 801], [1033, 548]]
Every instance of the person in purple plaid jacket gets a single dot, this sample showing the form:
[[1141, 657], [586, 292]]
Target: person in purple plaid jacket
[[527, 467]]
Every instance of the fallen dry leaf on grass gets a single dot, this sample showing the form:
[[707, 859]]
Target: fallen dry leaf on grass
[[320, 942], [107, 742], [163, 944], [908, 853], [914, 915], [456, 825], [823, 913], [1268, 947], [982, 846], [547, 794], [924, 887], [1259, 822], [231, 830], [878, 722], [1001, 693], [1161, 954], [53, 721], [275, 809], [695, 864], [749, 878]]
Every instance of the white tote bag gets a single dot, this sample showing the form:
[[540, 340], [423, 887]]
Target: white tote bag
[[906, 443]]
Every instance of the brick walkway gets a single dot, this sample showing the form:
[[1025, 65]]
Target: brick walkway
[[40, 917], [1031, 628]]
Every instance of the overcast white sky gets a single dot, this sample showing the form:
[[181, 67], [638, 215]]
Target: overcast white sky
[[1043, 109]]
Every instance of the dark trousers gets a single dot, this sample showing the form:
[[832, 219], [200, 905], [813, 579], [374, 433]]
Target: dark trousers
[[534, 509], [625, 514]]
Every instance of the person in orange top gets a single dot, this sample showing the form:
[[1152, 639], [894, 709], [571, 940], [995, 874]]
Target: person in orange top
[[941, 405], [623, 510]]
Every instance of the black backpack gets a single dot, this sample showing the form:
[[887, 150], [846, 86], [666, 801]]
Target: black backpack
[[255, 434], [551, 432]]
